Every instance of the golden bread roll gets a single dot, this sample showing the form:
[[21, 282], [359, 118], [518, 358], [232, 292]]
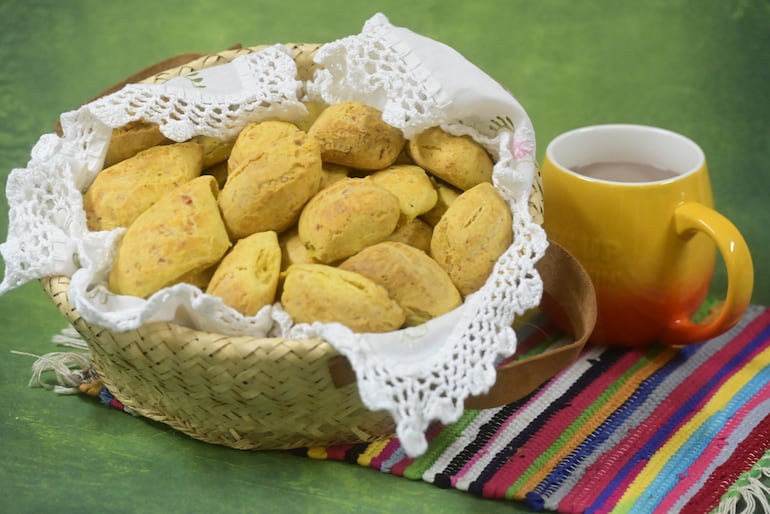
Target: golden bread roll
[[459, 160], [354, 134], [219, 172], [414, 232], [130, 139], [198, 278], [269, 191], [445, 195], [420, 286], [215, 150], [293, 251], [314, 109], [473, 233], [403, 158], [333, 173], [411, 185], [120, 193], [247, 278], [180, 234], [317, 292], [255, 138], [346, 217]]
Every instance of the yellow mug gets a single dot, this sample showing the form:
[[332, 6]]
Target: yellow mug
[[634, 205]]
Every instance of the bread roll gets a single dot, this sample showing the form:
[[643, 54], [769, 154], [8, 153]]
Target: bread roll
[[318, 292], [293, 251], [411, 186], [346, 217], [314, 109], [255, 138], [333, 173], [445, 195], [420, 286], [215, 150], [471, 236], [247, 277], [413, 232], [120, 193], [268, 192], [180, 234], [459, 160], [354, 134], [219, 172], [132, 138]]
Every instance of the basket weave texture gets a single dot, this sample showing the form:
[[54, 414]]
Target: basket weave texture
[[242, 392]]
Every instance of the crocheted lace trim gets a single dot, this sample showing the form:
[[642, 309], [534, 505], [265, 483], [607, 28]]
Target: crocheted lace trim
[[420, 374]]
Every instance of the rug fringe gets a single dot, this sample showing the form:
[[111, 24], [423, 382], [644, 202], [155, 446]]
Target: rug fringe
[[72, 369], [751, 492], [71, 338]]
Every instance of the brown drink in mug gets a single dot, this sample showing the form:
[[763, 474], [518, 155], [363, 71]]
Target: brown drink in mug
[[634, 205]]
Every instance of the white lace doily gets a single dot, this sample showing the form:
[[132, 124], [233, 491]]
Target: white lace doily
[[420, 374]]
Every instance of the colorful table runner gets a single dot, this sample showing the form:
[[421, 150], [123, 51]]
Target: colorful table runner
[[659, 430], [654, 430]]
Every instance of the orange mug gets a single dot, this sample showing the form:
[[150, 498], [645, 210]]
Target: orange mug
[[634, 205]]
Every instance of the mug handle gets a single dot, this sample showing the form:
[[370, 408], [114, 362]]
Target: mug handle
[[689, 219]]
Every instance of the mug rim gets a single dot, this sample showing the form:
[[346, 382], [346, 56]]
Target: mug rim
[[697, 152]]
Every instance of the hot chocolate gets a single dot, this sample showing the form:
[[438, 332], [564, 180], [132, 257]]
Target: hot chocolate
[[617, 171]]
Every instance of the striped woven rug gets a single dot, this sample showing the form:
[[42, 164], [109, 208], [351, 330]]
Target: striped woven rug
[[658, 430]]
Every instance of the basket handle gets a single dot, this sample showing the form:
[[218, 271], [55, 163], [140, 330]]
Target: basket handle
[[568, 297]]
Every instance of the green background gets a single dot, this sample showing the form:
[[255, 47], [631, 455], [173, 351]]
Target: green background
[[698, 67]]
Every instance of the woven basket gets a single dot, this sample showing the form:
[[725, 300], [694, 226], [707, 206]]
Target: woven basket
[[271, 393]]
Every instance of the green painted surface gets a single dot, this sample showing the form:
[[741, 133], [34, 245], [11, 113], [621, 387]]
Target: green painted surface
[[698, 67]]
